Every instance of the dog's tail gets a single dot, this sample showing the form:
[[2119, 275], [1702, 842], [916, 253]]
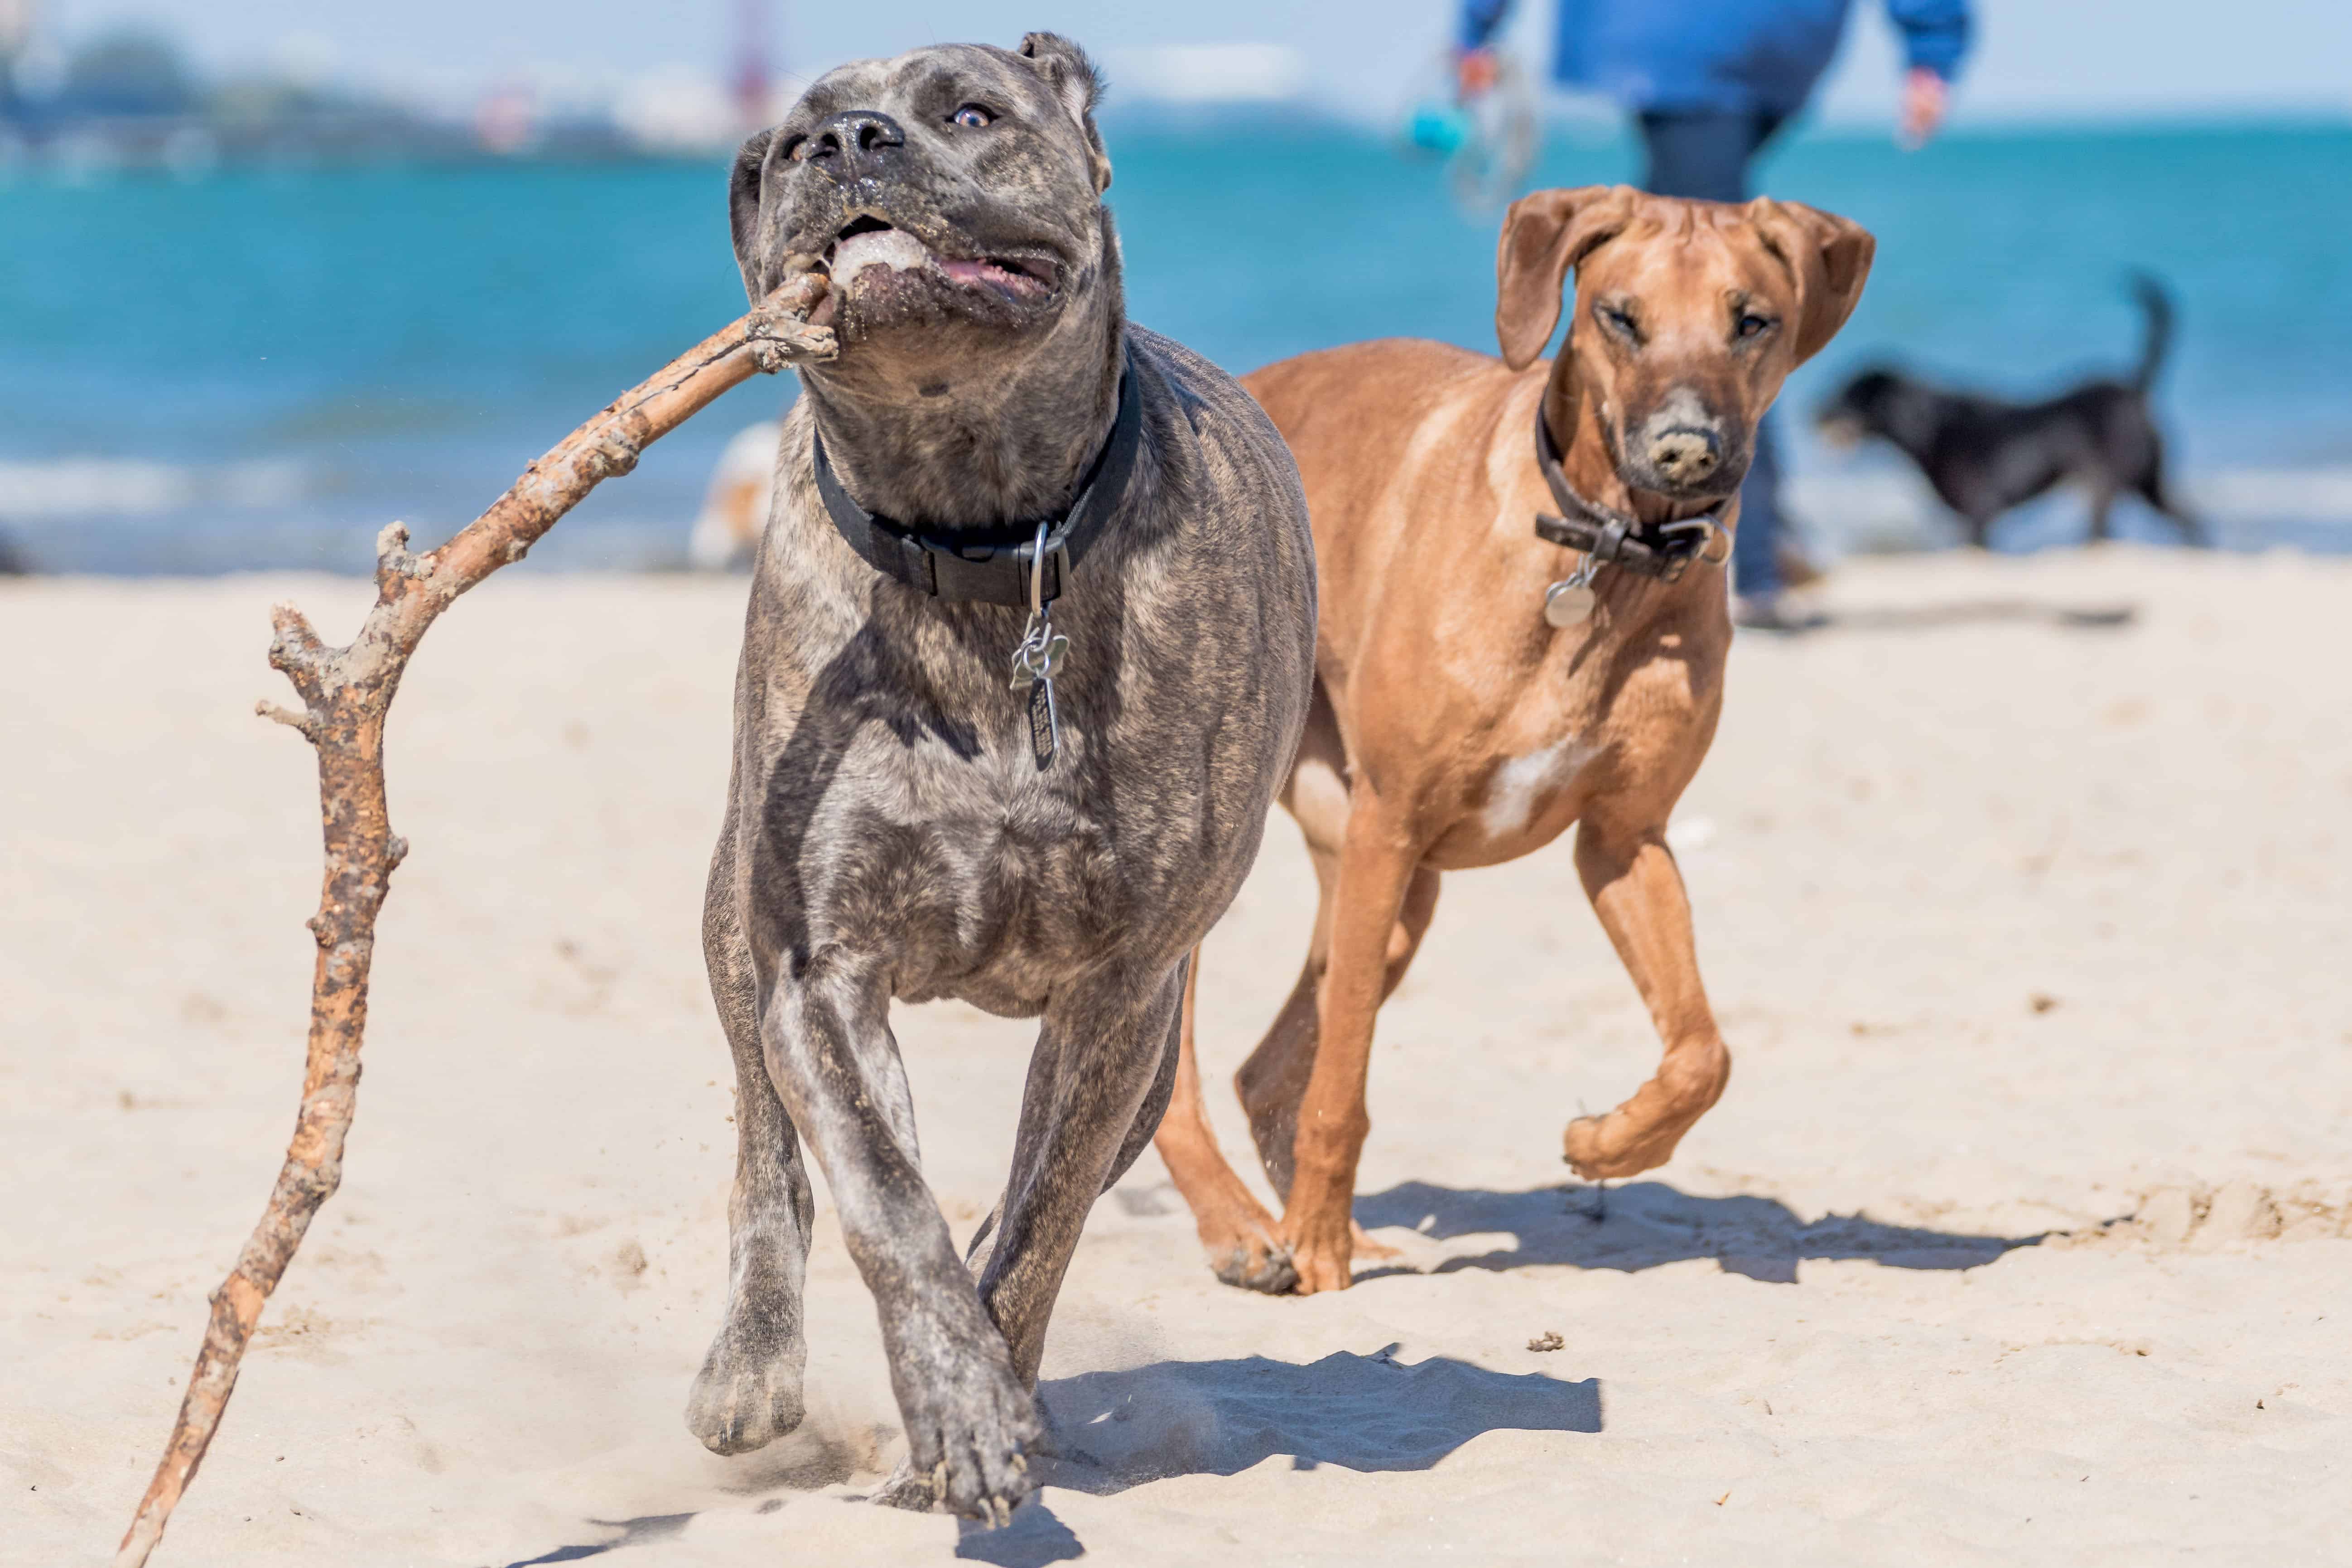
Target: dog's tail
[[2156, 302]]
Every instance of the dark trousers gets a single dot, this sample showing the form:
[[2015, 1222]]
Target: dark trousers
[[1705, 154]]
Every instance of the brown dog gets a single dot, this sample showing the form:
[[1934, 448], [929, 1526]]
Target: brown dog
[[1462, 719]]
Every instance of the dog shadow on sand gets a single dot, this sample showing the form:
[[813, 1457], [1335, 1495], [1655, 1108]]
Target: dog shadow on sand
[[1114, 1430], [1643, 1224]]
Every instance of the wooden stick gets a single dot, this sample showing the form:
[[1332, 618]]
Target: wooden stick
[[345, 693]]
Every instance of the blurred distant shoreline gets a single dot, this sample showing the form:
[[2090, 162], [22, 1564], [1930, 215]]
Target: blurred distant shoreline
[[130, 102], [264, 129]]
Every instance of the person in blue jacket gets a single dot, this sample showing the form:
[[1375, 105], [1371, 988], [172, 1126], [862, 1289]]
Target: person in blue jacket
[[1709, 82]]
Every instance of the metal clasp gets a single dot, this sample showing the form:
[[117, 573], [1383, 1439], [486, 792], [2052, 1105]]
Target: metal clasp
[[1039, 656]]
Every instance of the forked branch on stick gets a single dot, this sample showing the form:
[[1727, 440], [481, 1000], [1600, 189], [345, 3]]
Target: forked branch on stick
[[345, 693]]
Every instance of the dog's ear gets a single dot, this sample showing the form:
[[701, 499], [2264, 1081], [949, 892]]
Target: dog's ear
[[1078, 85], [743, 188], [1544, 235], [1828, 256]]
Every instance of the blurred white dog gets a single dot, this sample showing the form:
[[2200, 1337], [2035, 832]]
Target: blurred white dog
[[735, 509]]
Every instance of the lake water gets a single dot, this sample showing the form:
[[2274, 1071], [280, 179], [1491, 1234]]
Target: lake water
[[260, 368]]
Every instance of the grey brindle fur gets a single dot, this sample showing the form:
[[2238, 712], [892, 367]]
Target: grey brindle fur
[[889, 832]]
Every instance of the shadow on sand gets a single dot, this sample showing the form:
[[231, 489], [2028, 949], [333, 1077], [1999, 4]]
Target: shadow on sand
[[1119, 1429], [1035, 1538], [1645, 1224], [634, 1532]]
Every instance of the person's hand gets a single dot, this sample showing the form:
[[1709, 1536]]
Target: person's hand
[[1474, 73], [1926, 97]]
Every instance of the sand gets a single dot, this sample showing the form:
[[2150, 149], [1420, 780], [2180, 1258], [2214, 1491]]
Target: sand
[[2020, 1235]]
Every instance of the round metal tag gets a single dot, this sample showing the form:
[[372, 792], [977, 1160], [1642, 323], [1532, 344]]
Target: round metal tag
[[1568, 604]]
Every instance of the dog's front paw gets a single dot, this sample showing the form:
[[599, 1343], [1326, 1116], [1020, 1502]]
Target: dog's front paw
[[1604, 1148], [969, 1437], [1322, 1252], [748, 1394], [1641, 1134]]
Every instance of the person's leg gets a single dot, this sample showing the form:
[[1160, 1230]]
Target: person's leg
[[1756, 548], [1703, 156], [1699, 154]]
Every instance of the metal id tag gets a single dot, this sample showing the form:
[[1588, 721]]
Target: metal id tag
[[1036, 660], [1569, 603], [1044, 725]]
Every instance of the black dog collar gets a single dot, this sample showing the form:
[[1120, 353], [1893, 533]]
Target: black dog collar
[[1607, 535], [994, 571]]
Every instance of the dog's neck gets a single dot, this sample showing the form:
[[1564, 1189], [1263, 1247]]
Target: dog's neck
[[976, 446], [1586, 457]]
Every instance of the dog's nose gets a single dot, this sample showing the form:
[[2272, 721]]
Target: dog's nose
[[1685, 454], [854, 142]]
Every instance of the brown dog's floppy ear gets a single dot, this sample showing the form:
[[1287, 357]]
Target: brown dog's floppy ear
[[1078, 85], [743, 210], [1544, 235], [1828, 256]]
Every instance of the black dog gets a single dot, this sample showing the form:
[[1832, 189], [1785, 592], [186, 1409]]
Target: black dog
[[1985, 456]]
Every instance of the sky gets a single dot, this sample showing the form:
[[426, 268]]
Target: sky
[[2036, 60]]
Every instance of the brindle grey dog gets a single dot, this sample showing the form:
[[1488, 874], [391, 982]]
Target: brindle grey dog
[[891, 828]]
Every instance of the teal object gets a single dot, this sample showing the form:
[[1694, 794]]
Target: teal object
[[1439, 130]]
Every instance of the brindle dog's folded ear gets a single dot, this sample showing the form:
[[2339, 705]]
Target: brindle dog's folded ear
[[1828, 256], [743, 187], [1076, 83], [1545, 234]]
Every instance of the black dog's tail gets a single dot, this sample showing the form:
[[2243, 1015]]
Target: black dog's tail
[[2156, 301]]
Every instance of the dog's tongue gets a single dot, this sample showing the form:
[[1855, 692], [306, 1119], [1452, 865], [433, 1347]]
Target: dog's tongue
[[902, 252], [989, 272], [891, 248]]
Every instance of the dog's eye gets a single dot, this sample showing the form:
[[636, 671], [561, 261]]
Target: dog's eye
[[971, 117], [1622, 321], [1750, 325]]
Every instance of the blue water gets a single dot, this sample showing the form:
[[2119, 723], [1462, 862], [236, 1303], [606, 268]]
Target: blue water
[[286, 360]]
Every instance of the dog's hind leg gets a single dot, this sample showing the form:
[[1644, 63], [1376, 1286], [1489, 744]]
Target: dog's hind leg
[[2153, 490], [1631, 877], [749, 1391], [2103, 508], [1273, 1079], [969, 1419], [1236, 1232]]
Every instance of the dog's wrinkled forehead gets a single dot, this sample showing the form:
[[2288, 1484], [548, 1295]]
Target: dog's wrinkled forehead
[[1689, 257], [1038, 108], [931, 83]]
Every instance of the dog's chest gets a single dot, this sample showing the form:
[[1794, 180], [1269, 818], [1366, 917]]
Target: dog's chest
[[1521, 790]]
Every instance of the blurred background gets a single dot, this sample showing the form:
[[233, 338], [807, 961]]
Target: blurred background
[[273, 274]]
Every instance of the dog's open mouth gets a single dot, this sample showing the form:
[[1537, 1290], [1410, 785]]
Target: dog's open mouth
[[867, 241]]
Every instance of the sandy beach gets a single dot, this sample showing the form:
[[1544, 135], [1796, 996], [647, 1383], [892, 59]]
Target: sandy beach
[[2021, 1235]]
